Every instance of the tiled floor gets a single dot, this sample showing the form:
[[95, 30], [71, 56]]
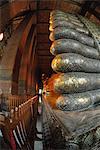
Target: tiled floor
[[38, 144]]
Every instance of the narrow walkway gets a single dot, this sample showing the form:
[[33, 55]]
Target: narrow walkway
[[38, 144]]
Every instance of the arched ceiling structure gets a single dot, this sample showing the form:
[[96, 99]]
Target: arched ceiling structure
[[12, 12]]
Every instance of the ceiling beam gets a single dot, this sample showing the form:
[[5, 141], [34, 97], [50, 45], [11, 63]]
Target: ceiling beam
[[45, 55], [43, 51], [42, 28], [41, 38], [43, 16], [44, 45]]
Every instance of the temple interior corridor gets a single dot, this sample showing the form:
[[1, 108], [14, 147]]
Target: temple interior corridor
[[49, 75]]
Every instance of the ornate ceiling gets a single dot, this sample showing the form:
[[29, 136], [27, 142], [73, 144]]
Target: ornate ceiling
[[14, 12]]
